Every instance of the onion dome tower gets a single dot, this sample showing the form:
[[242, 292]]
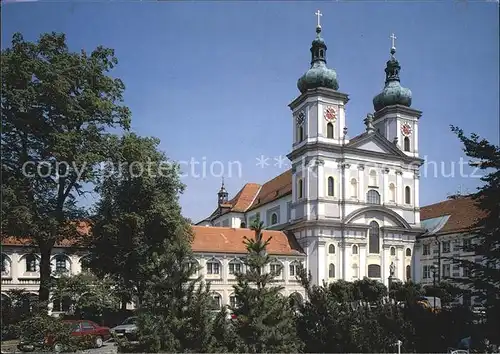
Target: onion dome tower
[[318, 75], [393, 93]]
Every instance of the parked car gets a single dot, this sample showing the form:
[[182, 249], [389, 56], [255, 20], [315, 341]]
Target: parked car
[[81, 329], [127, 330]]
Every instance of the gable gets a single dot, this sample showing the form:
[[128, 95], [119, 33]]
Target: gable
[[375, 142], [372, 146]]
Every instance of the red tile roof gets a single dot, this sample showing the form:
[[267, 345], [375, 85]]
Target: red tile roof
[[209, 239], [253, 195], [83, 230], [463, 212], [274, 189]]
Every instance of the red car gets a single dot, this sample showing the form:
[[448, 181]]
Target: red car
[[81, 328]]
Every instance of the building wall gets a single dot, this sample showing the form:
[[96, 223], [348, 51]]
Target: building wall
[[16, 277], [440, 251]]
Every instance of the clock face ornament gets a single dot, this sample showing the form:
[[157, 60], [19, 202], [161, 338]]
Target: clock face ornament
[[330, 114], [406, 129], [300, 118]]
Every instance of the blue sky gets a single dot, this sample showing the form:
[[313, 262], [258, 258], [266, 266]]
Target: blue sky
[[213, 80]]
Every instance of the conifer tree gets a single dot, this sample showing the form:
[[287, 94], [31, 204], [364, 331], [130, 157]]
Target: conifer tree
[[264, 318], [485, 277]]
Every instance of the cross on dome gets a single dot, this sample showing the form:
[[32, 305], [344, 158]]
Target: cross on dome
[[393, 38], [318, 14]]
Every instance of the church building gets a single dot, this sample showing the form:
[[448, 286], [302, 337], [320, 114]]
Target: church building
[[352, 204]]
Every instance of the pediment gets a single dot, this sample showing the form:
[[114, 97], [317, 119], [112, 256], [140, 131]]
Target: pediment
[[374, 142]]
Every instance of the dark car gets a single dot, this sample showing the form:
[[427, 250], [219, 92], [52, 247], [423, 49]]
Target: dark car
[[83, 329]]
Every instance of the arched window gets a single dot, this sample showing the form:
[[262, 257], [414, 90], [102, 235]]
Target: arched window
[[373, 178], [61, 263], [372, 197], [408, 252], [393, 251], [355, 271], [5, 265], [300, 133], [331, 270], [354, 249], [373, 271], [331, 249], [392, 192], [374, 239], [274, 218], [276, 268], [354, 188], [235, 266], [329, 131], [331, 187], [31, 263], [408, 272], [213, 267], [407, 195], [406, 144], [300, 189]]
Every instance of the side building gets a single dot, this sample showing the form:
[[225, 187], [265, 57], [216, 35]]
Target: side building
[[219, 252], [449, 235]]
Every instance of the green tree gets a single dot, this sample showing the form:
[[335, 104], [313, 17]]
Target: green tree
[[369, 290], [446, 291], [328, 325], [485, 277], [56, 107], [264, 318], [407, 292], [86, 293], [142, 241], [139, 185]]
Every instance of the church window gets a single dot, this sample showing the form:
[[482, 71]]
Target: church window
[[300, 133], [329, 131], [331, 188], [392, 192], [373, 271], [300, 190], [331, 270], [354, 249], [393, 251], [406, 144], [331, 249], [407, 195], [372, 197], [374, 238], [274, 218], [408, 272], [373, 178], [321, 52], [408, 252], [354, 188]]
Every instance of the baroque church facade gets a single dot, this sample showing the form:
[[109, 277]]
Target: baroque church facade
[[347, 209], [352, 204]]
